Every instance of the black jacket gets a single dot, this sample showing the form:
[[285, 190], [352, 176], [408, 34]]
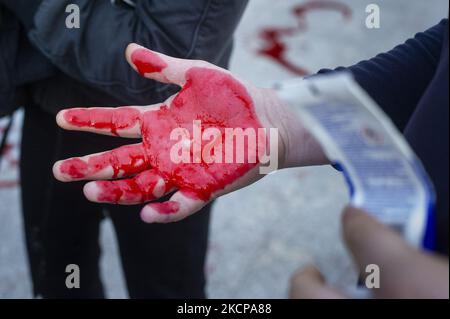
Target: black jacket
[[20, 62], [67, 67]]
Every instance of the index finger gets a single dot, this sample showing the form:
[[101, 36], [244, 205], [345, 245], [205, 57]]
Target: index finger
[[404, 272]]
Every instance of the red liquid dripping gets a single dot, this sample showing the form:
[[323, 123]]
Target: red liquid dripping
[[275, 48]]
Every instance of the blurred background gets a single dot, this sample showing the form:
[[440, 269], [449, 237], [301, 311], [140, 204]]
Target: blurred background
[[260, 235]]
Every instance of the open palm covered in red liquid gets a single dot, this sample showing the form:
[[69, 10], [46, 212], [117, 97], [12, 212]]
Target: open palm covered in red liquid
[[140, 173]]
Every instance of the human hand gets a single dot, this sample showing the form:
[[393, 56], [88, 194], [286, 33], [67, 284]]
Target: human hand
[[405, 272], [153, 168]]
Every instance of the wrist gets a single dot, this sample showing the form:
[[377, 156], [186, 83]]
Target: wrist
[[297, 146]]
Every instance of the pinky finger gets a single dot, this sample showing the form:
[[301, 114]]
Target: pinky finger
[[180, 206]]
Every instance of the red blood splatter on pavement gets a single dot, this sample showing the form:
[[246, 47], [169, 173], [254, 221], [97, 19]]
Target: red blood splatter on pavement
[[147, 61], [8, 155], [8, 148], [8, 160], [128, 160], [166, 208], [275, 48], [9, 184], [102, 118]]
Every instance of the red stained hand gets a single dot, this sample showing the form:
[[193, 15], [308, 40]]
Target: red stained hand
[[146, 171]]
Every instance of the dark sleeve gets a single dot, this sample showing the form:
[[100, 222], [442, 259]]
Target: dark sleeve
[[94, 53], [24, 10], [396, 80]]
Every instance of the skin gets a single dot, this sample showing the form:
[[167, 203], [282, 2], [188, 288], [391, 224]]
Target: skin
[[405, 272], [138, 173], [141, 172]]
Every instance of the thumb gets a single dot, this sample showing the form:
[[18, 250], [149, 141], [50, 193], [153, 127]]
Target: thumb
[[309, 283], [160, 67], [369, 241]]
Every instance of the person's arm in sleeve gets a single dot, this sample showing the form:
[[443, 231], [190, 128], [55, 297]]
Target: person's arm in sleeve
[[396, 80], [93, 54]]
